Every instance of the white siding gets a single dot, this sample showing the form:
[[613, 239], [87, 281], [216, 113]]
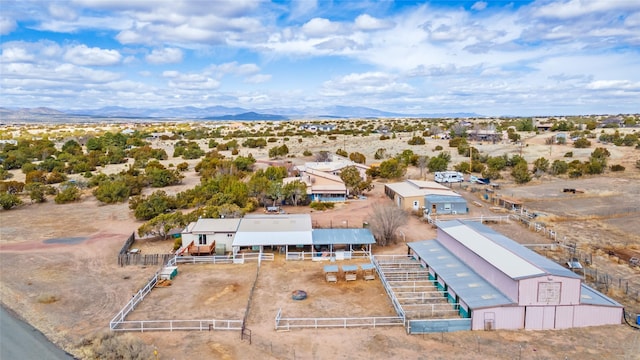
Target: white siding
[[188, 238], [534, 316], [564, 317], [501, 281], [507, 318], [588, 315]]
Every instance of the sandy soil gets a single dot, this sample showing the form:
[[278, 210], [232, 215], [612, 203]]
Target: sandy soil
[[71, 287]]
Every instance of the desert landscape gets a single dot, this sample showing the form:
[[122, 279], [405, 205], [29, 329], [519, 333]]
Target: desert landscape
[[59, 270]]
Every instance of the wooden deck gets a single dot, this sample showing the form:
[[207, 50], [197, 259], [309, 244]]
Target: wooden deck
[[202, 249]]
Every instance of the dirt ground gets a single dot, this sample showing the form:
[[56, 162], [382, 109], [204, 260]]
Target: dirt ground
[[58, 270]]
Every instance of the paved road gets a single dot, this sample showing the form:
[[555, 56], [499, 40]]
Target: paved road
[[19, 340]]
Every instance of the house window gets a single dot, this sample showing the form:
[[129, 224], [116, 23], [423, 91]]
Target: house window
[[202, 239]]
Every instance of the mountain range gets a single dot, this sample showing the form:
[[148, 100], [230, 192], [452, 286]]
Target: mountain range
[[215, 113]]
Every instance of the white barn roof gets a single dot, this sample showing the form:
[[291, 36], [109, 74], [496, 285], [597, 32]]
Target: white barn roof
[[500, 257], [268, 230]]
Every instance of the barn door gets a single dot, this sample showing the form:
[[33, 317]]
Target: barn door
[[489, 321]]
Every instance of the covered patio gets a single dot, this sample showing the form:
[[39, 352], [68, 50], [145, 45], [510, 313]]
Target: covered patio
[[341, 244]]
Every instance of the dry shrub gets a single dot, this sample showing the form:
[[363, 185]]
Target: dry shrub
[[47, 299], [111, 345]]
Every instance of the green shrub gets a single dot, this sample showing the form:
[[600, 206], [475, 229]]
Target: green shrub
[[617, 167], [317, 205]]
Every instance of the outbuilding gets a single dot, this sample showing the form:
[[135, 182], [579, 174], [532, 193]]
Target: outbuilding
[[445, 204], [500, 284]]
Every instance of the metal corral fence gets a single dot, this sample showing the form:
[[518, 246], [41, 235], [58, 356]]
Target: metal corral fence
[[239, 258], [525, 219], [178, 325], [387, 288], [326, 255], [341, 322], [598, 279], [482, 219]]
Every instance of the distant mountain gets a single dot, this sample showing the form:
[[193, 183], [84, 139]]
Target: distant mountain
[[248, 116], [218, 113]]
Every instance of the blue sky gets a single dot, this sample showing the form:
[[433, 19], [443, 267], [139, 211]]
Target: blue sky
[[489, 57]]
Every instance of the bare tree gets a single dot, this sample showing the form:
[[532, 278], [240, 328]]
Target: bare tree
[[384, 222], [323, 156], [422, 162]]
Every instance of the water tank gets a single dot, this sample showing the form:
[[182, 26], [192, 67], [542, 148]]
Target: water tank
[[638, 320]]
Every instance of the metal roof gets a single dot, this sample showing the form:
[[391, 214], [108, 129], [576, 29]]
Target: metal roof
[[342, 236], [330, 268], [497, 255], [282, 229], [415, 188], [529, 255], [349, 267], [590, 296], [215, 225], [367, 266], [472, 288]]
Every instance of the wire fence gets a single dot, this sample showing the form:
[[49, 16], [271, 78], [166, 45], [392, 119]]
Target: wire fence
[[623, 289]]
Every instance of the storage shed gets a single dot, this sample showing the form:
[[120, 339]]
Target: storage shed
[[501, 284], [445, 204]]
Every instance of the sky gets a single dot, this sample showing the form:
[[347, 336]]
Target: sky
[[520, 58]]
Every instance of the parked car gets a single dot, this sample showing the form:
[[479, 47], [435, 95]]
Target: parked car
[[482, 181]]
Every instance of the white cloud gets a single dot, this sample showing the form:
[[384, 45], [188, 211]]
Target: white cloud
[[190, 81], [575, 8], [320, 27], [370, 83], [62, 12], [235, 68], [367, 23], [258, 79], [16, 54], [479, 6], [7, 25], [614, 85], [84, 55], [165, 56]]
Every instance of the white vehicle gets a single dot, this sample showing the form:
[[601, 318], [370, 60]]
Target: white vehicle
[[448, 177]]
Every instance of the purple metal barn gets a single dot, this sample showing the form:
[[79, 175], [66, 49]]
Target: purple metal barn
[[500, 284]]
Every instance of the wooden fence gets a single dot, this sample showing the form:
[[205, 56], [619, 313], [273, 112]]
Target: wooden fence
[[143, 259]]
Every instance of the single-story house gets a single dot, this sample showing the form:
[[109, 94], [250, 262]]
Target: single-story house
[[484, 135], [321, 186], [411, 195], [335, 166], [282, 232], [214, 234]]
